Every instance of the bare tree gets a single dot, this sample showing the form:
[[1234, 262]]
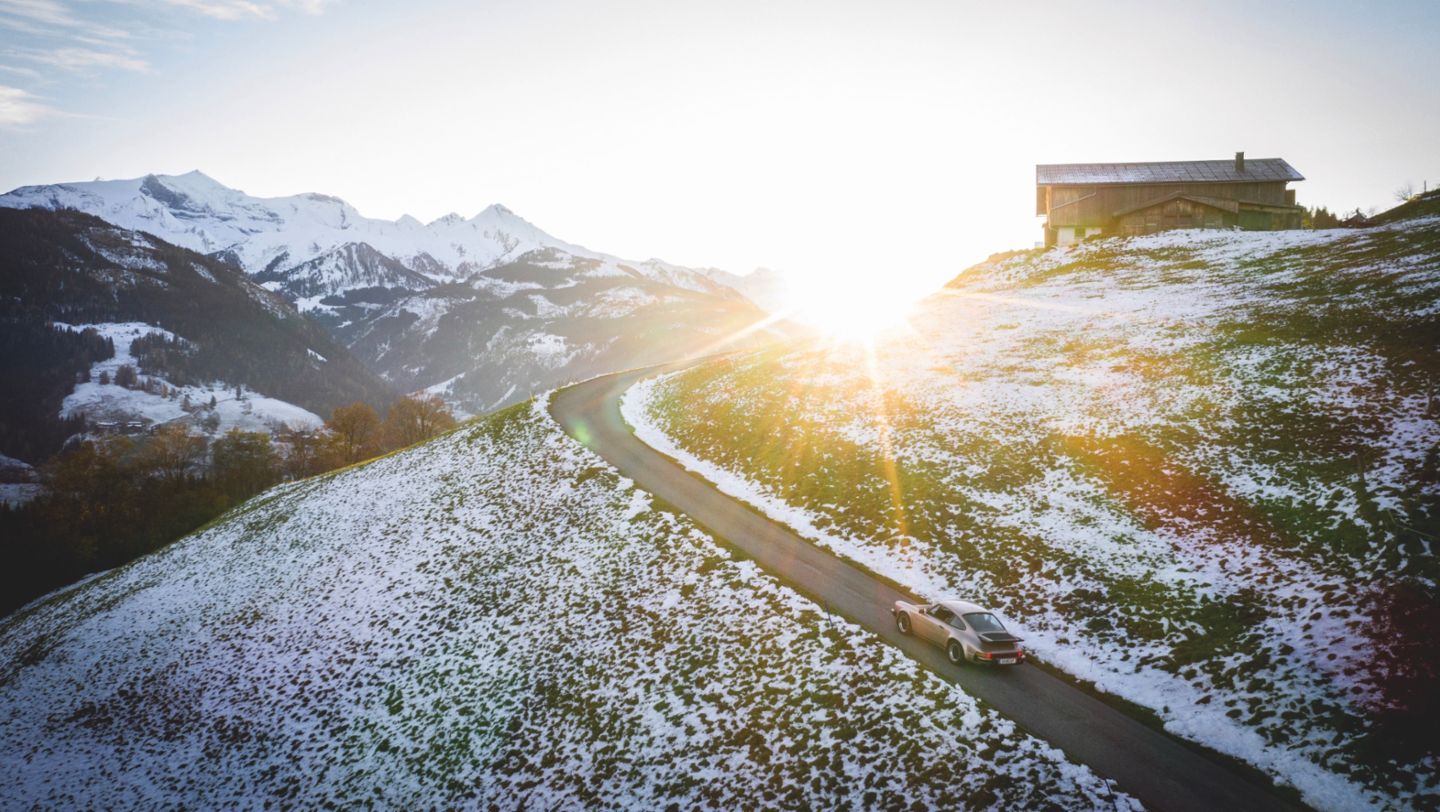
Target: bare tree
[[355, 434], [244, 463], [303, 456], [416, 419], [172, 451], [1406, 191]]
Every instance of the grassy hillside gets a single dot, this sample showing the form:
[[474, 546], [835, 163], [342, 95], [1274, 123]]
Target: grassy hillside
[[492, 619], [1200, 469]]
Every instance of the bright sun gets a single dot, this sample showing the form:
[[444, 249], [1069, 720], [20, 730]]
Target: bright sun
[[853, 313]]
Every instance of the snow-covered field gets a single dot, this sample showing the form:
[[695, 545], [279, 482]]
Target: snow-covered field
[[1197, 469], [495, 618], [108, 401]]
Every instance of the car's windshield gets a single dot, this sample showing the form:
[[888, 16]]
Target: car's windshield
[[984, 622]]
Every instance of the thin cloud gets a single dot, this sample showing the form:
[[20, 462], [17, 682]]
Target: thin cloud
[[249, 9], [41, 12], [309, 6], [19, 108], [56, 39], [52, 18], [227, 9], [82, 60], [28, 73]]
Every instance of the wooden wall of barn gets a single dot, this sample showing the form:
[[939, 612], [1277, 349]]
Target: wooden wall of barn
[[1178, 213], [1095, 205]]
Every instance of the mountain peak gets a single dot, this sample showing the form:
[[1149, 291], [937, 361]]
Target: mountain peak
[[193, 191], [194, 180], [409, 222], [448, 220], [496, 210]]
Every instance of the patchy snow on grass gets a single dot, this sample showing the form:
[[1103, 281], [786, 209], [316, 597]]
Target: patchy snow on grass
[[1186, 465], [493, 618]]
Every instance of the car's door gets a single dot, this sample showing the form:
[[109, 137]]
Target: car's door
[[962, 632], [928, 625], [940, 619]]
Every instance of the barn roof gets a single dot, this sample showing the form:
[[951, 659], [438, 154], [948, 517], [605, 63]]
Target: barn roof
[[1256, 169]]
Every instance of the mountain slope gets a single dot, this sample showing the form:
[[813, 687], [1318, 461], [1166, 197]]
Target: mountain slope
[[1199, 469], [349, 266], [494, 618], [549, 318], [212, 322]]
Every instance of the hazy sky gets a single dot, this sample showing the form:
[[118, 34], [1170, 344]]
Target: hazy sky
[[881, 140]]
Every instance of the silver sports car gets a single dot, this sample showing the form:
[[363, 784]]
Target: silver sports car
[[966, 632]]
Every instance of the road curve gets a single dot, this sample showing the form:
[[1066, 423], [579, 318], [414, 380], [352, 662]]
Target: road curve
[[1156, 768]]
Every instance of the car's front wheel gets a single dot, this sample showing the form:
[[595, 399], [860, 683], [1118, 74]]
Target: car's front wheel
[[955, 652], [902, 622]]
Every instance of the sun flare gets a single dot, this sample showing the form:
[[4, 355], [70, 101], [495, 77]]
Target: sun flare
[[854, 313]]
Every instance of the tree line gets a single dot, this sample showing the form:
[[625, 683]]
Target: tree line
[[109, 500], [40, 364]]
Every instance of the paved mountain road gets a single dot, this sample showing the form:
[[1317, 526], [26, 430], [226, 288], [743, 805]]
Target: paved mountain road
[[1161, 771]]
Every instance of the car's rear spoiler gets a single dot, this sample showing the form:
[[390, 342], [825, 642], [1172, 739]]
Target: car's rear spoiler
[[998, 637]]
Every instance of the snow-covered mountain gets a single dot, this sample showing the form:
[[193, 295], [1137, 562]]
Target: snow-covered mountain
[[313, 244], [544, 319], [193, 327], [340, 269], [486, 310]]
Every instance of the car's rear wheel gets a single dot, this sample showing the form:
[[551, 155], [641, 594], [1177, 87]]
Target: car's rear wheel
[[902, 622], [955, 652]]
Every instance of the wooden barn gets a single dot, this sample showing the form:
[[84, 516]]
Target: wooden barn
[[1082, 200]]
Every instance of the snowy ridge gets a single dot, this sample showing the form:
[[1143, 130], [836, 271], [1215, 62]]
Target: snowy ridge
[[277, 236]]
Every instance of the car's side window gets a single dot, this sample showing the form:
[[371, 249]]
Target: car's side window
[[957, 622], [944, 615]]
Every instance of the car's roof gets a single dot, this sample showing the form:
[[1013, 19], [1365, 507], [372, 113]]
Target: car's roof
[[962, 607]]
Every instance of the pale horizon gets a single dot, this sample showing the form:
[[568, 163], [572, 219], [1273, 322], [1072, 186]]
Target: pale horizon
[[822, 145]]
